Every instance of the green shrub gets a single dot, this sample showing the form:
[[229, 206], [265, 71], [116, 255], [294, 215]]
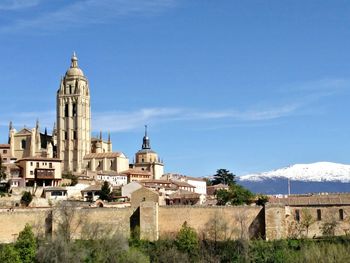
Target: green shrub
[[26, 198]]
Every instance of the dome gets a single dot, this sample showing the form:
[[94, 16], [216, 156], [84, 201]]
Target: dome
[[74, 69], [74, 72]]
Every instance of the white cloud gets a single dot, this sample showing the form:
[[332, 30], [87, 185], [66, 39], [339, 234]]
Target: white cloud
[[17, 4], [28, 119], [118, 121], [87, 12], [125, 121]]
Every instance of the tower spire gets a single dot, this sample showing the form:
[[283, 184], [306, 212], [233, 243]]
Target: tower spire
[[74, 61], [146, 142], [10, 126]]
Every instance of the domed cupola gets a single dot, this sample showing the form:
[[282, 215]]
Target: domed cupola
[[74, 69]]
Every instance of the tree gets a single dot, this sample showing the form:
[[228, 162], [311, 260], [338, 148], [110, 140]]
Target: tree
[[240, 195], [224, 176], [222, 196], [72, 177], [261, 200], [8, 254], [26, 245], [105, 191], [329, 226], [235, 195], [306, 220], [2, 170], [187, 240], [26, 198]]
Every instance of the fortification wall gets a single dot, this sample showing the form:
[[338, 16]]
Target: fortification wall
[[13, 221], [213, 222], [85, 222]]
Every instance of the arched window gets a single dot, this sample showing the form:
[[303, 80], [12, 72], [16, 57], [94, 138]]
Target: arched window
[[23, 144], [66, 110], [74, 110]]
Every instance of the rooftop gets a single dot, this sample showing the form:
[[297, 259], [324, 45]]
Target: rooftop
[[104, 155], [313, 200]]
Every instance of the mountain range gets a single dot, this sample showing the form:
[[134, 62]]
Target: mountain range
[[303, 178]]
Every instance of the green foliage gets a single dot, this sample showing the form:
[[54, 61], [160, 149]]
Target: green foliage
[[8, 254], [328, 227], [2, 170], [105, 191], [208, 181], [261, 199], [26, 198], [235, 195], [224, 176], [240, 195], [306, 221], [222, 196], [26, 245], [72, 177], [187, 240]]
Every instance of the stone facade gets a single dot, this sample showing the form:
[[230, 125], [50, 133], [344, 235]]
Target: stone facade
[[73, 118], [148, 160]]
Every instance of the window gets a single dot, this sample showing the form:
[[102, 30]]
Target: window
[[66, 110], [31, 163], [319, 217], [23, 144], [70, 89], [74, 110], [50, 165], [31, 173], [74, 135], [341, 214], [37, 165], [4, 151], [142, 160], [66, 135], [297, 215]]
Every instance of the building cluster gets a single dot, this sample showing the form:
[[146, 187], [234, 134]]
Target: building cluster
[[33, 158]]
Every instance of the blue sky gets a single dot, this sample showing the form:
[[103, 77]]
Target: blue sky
[[248, 85]]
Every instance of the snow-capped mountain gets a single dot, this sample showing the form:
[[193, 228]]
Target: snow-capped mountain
[[314, 172]]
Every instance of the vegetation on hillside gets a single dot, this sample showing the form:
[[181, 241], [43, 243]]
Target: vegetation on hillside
[[103, 243], [26, 198], [235, 194]]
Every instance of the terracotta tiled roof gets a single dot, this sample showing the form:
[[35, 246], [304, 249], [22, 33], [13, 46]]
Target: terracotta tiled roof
[[104, 155], [5, 146], [38, 158], [50, 189], [11, 166], [96, 187], [136, 171], [110, 173], [182, 184], [313, 200], [183, 194]]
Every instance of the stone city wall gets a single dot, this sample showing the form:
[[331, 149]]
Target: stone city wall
[[213, 222], [85, 222]]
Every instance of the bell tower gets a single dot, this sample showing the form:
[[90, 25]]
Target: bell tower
[[73, 118]]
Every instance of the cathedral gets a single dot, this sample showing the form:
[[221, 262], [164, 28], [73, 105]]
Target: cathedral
[[71, 143]]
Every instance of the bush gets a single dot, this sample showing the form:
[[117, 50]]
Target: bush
[[26, 245], [187, 240], [26, 198], [8, 254]]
